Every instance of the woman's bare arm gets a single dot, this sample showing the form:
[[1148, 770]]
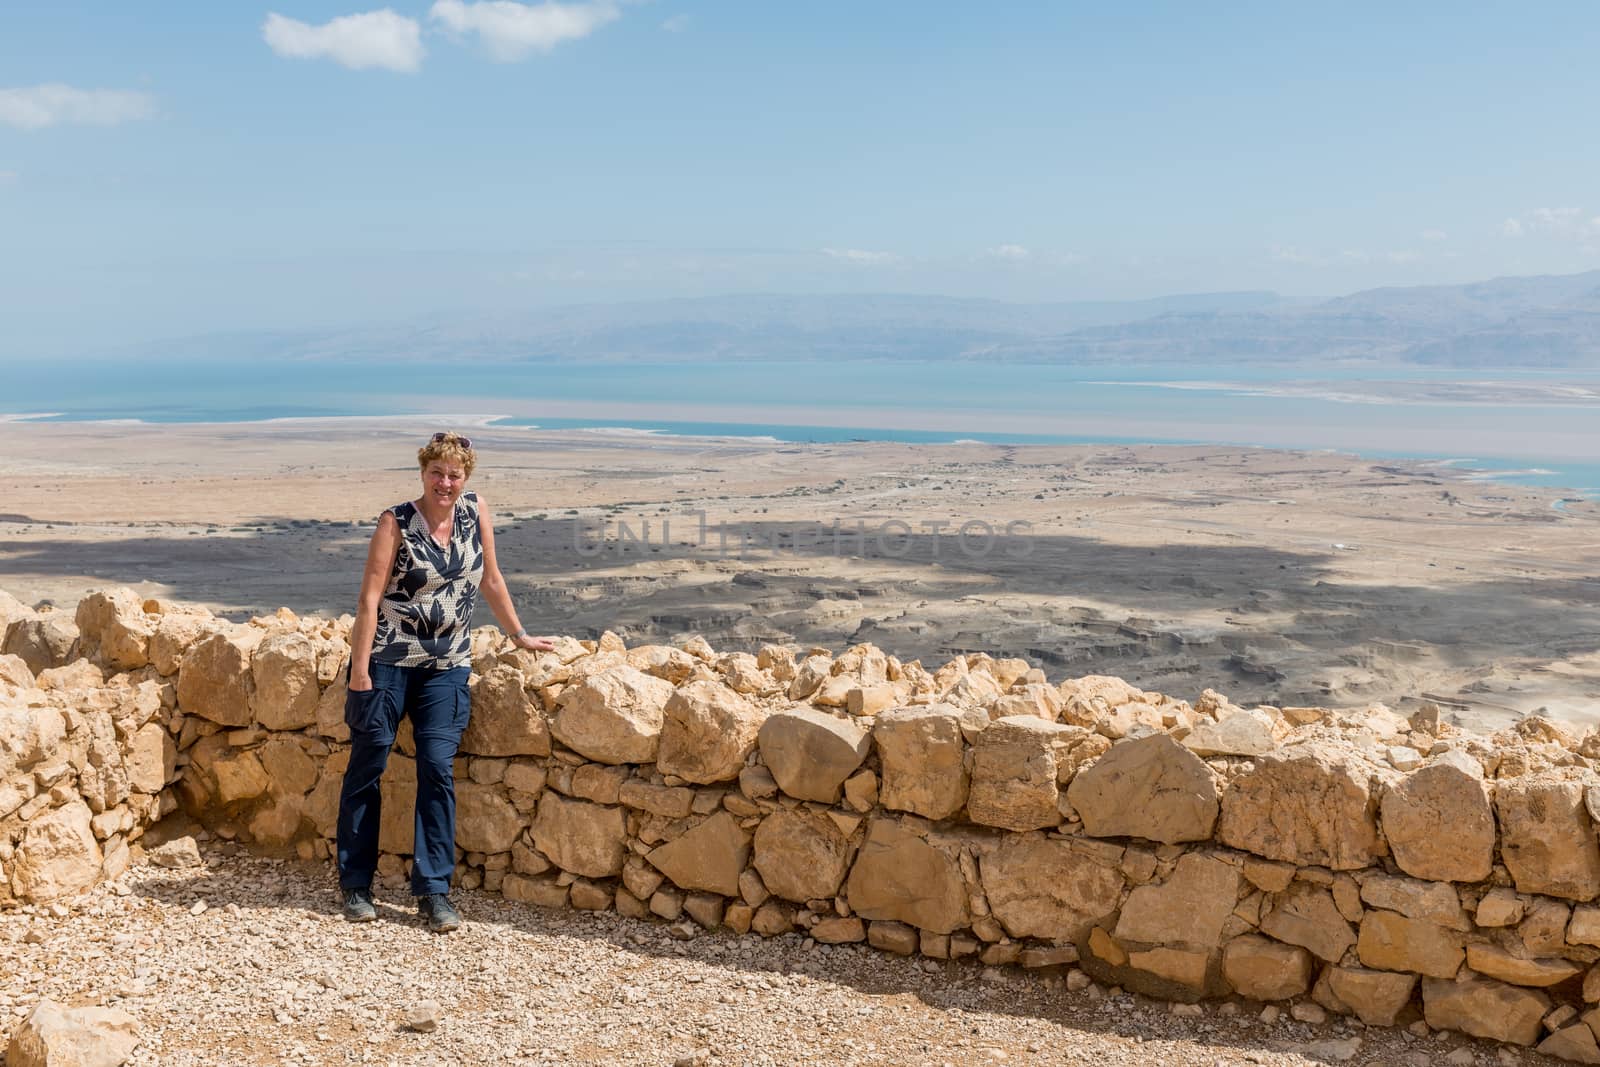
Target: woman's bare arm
[[380, 563]]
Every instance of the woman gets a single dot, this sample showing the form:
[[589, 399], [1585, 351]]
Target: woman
[[411, 655]]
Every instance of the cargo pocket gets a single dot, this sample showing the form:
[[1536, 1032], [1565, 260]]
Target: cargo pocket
[[358, 708]]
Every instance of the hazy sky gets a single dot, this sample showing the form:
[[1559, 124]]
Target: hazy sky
[[178, 168]]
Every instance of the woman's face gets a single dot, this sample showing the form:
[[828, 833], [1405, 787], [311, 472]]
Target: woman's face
[[442, 482]]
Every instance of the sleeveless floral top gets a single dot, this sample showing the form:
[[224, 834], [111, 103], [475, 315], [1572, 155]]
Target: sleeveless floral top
[[425, 616]]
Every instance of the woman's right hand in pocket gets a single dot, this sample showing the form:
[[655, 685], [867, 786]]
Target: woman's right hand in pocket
[[360, 683]]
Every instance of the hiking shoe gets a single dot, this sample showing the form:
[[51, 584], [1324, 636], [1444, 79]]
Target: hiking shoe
[[441, 915], [358, 907]]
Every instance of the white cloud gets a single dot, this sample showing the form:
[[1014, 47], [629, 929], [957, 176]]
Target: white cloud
[[676, 24], [1568, 223], [509, 31], [1434, 235], [48, 105], [857, 255], [380, 39], [1016, 253]]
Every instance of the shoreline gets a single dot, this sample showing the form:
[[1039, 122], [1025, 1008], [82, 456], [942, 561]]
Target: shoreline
[[1509, 469]]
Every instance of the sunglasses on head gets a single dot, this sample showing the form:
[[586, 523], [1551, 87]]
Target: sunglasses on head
[[464, 442]]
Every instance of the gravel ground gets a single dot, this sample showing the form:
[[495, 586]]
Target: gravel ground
[[245, 961]]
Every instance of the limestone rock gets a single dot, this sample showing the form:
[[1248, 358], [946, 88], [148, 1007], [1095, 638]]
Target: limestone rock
[[330, 709], [53, 1036], [1392, 942], [174, 634], [810, 753], [1152, 788], [1188, 909], [1087, 700], [1448, 790], [1376, 997], [585, 839], [1014, 783], [707, 731], [898, 875], [1436, 902], [1042, 887], [113, 623], [1310, 803], [152, 759], [1485, 1009], [662, 661], [1242, 733], [58, 855], [1547, 840], [214, 679], [1500, 907], [1262, 969], [923, 756], [485, 820], [504, 721], [1575, 1043], [614, 716], [240, 776], [177, 854], [284, 672], [42, 642], [710, 856], [801, 855], [1306, 915], [1492, 961]]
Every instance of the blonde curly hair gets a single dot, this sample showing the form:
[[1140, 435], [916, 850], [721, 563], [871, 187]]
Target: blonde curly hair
[[449, 446]]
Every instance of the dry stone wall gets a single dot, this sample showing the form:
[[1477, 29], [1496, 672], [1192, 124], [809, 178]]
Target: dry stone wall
[[1349, 862]]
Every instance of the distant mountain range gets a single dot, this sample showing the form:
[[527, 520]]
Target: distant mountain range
[[1549, 321]]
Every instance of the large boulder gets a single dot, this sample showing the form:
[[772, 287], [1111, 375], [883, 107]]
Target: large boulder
[[810, 753], [1014, 774], [801, 855], [589, 840], [923, 757], [1448, 790], [1049, 888], [1152, 788], [899, 876], [1311, 804], [1243, 732], [54, 1036], [284, 670], [214, 679], [1547, 840], [1484, 1008], [613, 716], [112, 623], [708, 857], [707, 731], [58, 855], [504, 721]]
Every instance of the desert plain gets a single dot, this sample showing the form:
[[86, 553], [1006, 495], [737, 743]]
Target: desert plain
[[1273, 576]]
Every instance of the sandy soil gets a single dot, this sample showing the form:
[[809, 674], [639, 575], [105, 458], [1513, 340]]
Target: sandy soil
[[1287, 577]]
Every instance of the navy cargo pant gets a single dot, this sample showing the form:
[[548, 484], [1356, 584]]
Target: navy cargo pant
[[438, 703]]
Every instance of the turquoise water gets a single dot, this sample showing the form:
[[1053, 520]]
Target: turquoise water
[[1551, 445]]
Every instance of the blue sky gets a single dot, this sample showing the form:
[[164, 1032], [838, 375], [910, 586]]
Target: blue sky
[[177, 168]]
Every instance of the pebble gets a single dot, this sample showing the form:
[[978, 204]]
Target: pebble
[[424, 1016], [278, 977]]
